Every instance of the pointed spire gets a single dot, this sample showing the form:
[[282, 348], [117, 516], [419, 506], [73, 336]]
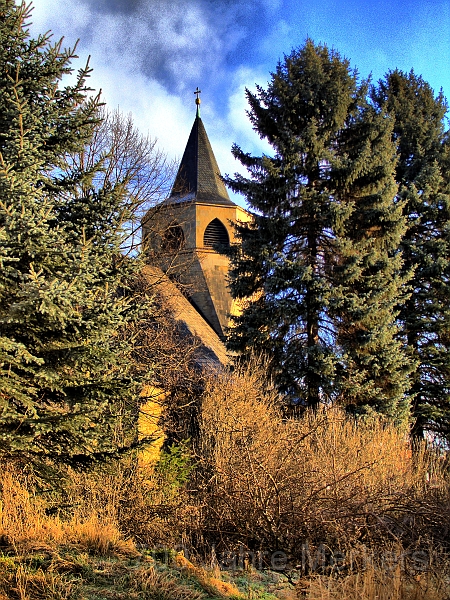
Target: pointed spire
[[198, 176]]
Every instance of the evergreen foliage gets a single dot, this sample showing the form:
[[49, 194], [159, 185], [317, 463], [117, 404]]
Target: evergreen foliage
[[65, 369], [422, 174], [317, 272]]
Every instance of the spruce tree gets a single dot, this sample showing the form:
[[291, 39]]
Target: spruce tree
[[65, 374], [312, 268], [368, 284], [422, 174]]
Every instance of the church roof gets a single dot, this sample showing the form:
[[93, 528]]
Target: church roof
[[198, 178], [210, 351]]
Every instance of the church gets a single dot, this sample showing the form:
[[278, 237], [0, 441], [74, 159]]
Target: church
[[184, 237]]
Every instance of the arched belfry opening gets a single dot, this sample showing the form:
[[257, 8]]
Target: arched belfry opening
[[196, 219], [216, 236]]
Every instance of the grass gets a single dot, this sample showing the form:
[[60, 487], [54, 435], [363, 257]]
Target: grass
[[86, 557], [379, 584], [69, 575]]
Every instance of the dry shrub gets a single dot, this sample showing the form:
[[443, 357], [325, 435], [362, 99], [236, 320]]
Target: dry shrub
[[376, 584], [166, 348], [150, 507], [275, 484]]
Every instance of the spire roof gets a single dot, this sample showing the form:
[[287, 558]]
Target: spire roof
[[198, 176]]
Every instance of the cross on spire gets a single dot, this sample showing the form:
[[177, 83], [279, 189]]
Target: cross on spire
[[197, 100]]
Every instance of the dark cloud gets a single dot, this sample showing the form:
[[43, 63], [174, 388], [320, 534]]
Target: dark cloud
[[125, 7], [180, 43]]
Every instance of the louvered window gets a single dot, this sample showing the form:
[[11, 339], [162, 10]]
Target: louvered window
[[216, 236]]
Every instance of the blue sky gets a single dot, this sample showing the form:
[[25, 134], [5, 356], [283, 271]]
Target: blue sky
[[149, 56]]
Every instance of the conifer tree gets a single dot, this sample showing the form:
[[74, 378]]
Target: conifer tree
[[312, 269], [422, 174], [367, 281], [64, 367]]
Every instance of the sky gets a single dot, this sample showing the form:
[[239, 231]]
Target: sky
[[149, 56]]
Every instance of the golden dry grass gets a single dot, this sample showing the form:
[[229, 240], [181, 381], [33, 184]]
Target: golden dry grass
[[88, 542], [213, 585], [376, 584], [25, 526], [262, 482]]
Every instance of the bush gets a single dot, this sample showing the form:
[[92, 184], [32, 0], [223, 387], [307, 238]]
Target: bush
[[277, 484]]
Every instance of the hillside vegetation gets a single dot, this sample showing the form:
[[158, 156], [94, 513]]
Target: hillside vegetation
[[264, 507], [319, 470]]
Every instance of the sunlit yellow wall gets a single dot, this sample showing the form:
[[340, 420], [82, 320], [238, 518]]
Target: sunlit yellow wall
[[149, 424]]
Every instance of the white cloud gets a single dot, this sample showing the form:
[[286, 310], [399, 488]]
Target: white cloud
[[237, 116], [279, 40], [155, 111], [63, 18]]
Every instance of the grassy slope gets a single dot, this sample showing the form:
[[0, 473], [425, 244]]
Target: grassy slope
[[73, 574], [124, 574]]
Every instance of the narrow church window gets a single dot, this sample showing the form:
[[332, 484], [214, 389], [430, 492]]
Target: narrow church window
[[173, 238], [216, 235]]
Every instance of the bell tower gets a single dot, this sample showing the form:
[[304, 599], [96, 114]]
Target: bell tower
[[187, 233]]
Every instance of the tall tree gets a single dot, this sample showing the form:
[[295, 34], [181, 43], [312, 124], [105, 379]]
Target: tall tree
[[312, 268], [367, 281], [64, 367], [422, 175], [126, 155]]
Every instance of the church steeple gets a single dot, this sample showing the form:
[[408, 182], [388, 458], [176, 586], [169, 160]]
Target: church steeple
[[189, 230], [198, 178]]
